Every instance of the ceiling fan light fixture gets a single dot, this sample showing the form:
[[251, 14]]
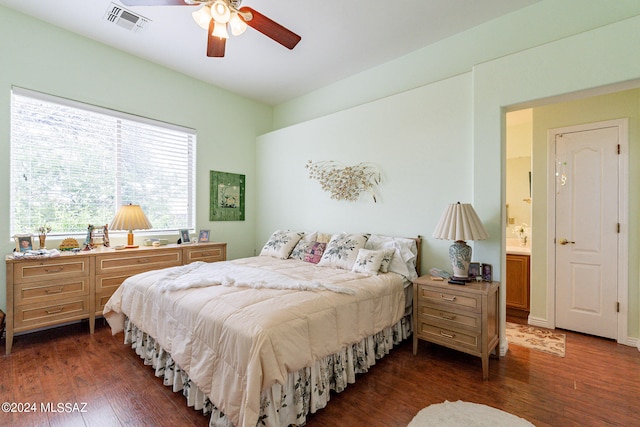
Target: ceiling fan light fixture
[[220, 30], [202, 16], [220, 11], [237, 25]]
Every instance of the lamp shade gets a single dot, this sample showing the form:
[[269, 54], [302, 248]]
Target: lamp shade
[[130, 217], [460, 222]]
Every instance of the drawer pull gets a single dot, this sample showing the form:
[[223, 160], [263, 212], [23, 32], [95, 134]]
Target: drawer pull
[[448, 316], [58, 310], [54, 270], [446, 298], [206, 254], [446, 335], [54, 291], [143, 261]]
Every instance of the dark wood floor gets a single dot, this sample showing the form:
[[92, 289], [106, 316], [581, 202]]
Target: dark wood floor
[[596, 384]]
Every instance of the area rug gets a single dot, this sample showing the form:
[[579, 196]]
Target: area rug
[[536, 338], [465, 414]]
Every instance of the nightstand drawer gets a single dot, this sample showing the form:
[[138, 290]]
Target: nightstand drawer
[[27, 293], [450, 319], [452, 298], [465, 341]]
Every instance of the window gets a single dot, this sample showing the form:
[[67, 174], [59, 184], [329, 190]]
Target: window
[[74, 164]]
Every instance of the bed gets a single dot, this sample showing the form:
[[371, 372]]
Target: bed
[[263, 340]]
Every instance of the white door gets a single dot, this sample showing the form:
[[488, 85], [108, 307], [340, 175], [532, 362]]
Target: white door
[[587, 230]]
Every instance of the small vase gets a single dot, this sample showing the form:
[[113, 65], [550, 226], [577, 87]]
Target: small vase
[[42, 238], [523, 241]]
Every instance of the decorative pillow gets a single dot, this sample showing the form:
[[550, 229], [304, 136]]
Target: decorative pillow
[[303, 244], [368, 261], [314, 252], [342, 250], [387, 256], [280, 244], [324, 237]]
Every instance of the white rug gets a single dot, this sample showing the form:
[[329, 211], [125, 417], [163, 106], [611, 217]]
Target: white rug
[[465, 414]]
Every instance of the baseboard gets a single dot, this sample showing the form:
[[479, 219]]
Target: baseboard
[[537, 321]]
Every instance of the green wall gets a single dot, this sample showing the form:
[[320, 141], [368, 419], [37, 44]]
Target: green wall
[[41, 57]]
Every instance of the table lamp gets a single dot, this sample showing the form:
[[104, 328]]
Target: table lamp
[[459, 222], [130, 217]]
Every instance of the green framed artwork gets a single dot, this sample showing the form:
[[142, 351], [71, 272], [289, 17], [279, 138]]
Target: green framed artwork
[[227, 196]]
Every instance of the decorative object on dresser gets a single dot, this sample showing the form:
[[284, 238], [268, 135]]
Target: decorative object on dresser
[[42, 235], [24, 242], [49, 291], [463, 318], [459, 222], [130, 217]]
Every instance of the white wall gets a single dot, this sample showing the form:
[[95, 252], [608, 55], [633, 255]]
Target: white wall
[[410, 136]]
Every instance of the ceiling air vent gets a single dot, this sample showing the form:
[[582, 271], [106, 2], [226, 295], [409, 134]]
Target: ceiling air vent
[[125, 18]]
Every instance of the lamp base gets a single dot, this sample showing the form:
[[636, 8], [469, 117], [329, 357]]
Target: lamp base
[[460, 257]]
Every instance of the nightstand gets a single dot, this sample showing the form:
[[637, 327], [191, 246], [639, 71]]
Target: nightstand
[[461, 317]]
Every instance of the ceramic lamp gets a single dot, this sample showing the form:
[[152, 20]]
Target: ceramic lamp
[[459, 222]]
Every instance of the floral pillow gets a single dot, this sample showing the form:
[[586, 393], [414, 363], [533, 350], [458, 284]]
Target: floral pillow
[[342, 250], [314, 252], [387, 256], [303, 245], [368, 261], [280, 244]]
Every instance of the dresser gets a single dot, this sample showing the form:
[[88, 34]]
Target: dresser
[[461, 317], [52, 291]]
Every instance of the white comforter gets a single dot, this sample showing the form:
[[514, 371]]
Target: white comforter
[[241, 333]]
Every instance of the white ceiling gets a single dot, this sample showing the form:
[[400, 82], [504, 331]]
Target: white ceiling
[[339, 38]]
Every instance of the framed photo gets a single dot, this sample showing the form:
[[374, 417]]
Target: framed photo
[[184, 236], [487, 273], [474, 270], [24, 242], [226, 196], [203, 236]]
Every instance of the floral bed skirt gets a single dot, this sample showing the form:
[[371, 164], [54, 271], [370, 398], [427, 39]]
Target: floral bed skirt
[[306, 391]]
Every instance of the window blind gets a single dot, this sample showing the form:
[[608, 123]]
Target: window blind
[[74, 164]]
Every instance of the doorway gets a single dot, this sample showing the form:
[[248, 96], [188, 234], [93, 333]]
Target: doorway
[[587, 205]]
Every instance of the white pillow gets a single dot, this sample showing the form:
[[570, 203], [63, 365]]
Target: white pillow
[[368, 261], [303, 245], [342, 250], [404, 258], [280, 244]]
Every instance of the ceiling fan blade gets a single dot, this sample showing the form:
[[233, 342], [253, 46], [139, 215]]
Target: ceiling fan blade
[[269, 28], [155, 3], [215, 44]]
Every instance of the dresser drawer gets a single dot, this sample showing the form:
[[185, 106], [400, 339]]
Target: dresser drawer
[[27, 293], [106, 285], [452, 299], [50, 312], [151, 259], [61, 267], [451, 319], [456, 339], [207, 254]]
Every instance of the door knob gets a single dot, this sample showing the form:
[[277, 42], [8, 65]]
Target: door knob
[[564, 241]]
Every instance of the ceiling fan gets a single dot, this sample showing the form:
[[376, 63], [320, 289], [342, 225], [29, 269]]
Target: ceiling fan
[[216, 16]]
